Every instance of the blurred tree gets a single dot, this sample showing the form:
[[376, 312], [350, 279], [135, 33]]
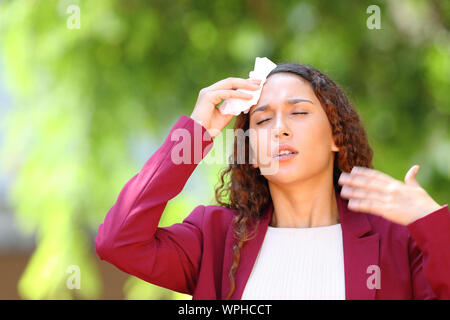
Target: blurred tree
[[92, 104]]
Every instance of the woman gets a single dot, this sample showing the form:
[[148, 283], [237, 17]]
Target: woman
[[323, 225]]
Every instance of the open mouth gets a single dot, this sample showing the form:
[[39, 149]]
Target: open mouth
[[285, 155]]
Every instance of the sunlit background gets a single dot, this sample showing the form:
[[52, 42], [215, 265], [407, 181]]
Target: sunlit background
[[90, 89]]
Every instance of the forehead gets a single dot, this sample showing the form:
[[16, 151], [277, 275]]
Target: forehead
[[283, 85]]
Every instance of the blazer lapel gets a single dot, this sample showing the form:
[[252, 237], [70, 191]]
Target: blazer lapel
[[361, 250], [248, 254]]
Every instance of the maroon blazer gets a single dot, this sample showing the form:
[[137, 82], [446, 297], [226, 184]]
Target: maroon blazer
[[194, 257]]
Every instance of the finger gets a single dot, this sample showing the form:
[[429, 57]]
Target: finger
[[410, 178], [363, 194], [218, 95], [360, 181], [372, 173], [235, 83], [369, 206]]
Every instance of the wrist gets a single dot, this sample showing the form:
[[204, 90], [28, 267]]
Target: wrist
[[192, 116], [430, 209], [212, 132]]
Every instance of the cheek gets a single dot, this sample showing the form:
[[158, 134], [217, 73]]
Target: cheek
[[316, 144], [317, 132]]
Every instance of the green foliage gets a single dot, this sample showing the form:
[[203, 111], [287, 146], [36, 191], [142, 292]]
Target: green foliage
[[83, 97]]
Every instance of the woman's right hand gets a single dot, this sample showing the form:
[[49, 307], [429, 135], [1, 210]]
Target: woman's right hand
[[205, 111]]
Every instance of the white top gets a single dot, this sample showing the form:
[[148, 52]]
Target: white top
[[299, 263]]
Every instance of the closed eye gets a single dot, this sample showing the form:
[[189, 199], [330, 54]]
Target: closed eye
[[258, 123]]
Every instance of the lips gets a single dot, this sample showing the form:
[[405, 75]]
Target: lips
[[282, 148]]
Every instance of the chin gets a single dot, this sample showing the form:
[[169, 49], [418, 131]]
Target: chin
[[283, 179], [283, 173]]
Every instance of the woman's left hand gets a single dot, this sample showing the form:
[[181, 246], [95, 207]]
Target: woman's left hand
[[375, 192]]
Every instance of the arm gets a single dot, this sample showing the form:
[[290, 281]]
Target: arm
[[430, 255], [130, 237], [410, 205]]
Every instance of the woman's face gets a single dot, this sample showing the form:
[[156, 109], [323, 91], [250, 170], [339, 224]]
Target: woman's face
[[288, 112]]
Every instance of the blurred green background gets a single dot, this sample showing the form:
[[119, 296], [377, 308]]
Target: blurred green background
[[90, 105]]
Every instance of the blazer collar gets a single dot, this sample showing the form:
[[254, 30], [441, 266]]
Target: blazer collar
[[361, 250]]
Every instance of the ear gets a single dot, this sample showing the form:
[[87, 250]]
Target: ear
[[334, 148]]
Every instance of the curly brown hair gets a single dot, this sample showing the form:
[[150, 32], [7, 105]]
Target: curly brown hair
[[247, 189]]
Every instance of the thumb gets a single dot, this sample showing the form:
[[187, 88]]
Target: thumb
[[410, 177]]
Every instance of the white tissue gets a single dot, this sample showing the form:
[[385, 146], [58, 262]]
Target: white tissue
[[234, 106]]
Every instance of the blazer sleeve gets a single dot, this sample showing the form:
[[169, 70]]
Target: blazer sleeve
[[130, 238], [430, 255]]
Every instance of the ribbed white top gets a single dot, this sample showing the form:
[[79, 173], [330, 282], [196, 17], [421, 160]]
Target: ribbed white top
[[299, 263]]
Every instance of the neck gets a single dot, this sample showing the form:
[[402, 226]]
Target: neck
[[305, 204]]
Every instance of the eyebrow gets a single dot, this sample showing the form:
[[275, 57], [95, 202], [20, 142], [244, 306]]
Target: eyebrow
[[290, 100]]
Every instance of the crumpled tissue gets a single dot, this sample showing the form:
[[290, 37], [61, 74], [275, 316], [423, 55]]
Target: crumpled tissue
[[235, 106]]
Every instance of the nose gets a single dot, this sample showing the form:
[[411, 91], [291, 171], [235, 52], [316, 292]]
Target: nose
[[280, 129]]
